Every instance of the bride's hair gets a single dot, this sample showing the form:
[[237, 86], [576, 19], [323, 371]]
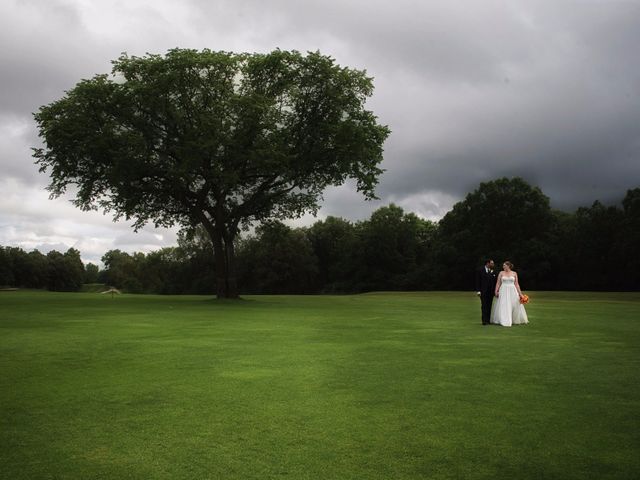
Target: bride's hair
[[507, 262]]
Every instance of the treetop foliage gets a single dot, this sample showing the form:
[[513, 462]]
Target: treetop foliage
[[165, 138]]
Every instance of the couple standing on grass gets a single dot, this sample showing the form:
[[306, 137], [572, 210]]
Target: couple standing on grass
[[508, 309]]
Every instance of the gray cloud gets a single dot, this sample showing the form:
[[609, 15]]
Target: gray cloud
[[472, 91], [566, 119], [16, 138]]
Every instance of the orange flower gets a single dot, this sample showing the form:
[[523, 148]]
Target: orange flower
[[524, 299]]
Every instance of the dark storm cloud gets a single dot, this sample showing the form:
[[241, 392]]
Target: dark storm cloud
[[564, 115], [544, 90]]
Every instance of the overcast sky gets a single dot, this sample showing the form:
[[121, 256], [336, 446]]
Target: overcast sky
[[472, 91]]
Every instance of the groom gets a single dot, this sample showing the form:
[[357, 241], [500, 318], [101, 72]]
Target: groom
[[485, 285]]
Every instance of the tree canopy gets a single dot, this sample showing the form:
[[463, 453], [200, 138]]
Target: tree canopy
[[216, 139], [500, 218]]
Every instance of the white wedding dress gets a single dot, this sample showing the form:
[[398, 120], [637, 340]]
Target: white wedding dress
[[507, 309]]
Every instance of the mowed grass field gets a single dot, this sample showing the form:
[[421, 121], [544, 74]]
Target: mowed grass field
[[376, 386]]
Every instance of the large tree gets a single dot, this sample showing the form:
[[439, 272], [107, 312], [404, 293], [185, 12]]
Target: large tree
[[210, 138], [505, 218]]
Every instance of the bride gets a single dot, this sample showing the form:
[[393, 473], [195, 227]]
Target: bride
[[508, 310]]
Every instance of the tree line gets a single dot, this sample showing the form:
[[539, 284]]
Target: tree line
[[593, 248], [54, 271]]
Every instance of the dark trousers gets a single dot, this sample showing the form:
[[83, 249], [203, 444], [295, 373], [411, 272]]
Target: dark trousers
[[486, 299]]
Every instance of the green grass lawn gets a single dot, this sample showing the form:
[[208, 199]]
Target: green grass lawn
[[388, 386]]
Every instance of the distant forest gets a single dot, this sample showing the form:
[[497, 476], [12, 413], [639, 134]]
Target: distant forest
[[593, 248]]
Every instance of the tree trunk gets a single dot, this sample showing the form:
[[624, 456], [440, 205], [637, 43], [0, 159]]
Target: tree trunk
[[232, 278], [221, 266], [224, 257]]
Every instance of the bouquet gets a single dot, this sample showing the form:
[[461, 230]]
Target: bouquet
[[524, 299]]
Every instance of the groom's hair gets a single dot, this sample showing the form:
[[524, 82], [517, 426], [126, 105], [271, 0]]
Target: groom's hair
[[487, 260]]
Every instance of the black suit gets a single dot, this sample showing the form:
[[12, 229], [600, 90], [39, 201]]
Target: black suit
[[485, 284]]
